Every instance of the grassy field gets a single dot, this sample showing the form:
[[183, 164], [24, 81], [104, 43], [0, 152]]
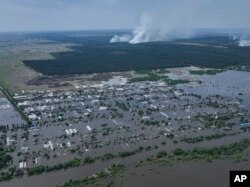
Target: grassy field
[[5, 73], [14, 49]]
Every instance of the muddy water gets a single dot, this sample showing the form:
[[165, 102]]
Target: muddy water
[[8, 114], [229, 83], [193, 174], [55, 178], [144, 176]]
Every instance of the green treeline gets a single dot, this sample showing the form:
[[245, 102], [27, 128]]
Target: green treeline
[[207, 137], [95, 180]]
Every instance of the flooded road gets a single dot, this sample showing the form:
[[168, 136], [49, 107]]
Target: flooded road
[[8, 115]]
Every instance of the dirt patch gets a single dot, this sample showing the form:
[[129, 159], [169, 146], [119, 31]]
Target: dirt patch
[[107, 76], [52, 81], [118, 52]]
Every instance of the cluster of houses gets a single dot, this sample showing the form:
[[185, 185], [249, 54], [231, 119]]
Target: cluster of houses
[[92, 119]]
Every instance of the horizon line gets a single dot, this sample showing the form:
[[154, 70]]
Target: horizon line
[[108, 30]]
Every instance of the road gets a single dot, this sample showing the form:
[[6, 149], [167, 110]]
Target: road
[[13, 102]]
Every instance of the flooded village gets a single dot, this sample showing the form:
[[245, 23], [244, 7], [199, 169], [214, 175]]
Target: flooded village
[[111, 120]]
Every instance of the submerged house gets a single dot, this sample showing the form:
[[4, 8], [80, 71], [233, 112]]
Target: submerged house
[[245, 125]]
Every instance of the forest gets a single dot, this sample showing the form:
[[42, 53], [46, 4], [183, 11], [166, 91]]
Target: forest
[[94, 54]]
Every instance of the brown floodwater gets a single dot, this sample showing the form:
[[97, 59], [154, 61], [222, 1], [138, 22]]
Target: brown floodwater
[[189, 174]]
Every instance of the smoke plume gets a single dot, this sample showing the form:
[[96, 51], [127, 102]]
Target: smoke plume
[[244, 43], [148, 31], [182, 19], [123, 38], [243, 40]]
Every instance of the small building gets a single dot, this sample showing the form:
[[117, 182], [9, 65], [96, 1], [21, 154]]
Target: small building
[[89, 128], [22, 165]]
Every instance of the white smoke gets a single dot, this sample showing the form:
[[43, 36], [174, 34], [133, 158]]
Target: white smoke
[[143, 33], [243, 41], [180, 19], [123, 38], [149, 31], [235, 38]]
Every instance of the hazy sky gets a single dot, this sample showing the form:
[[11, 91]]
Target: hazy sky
[[25, 15]]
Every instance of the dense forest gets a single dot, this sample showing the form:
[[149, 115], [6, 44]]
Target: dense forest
[[94, 54]]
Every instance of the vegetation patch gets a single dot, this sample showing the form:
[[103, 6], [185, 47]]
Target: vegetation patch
[[205, 72], [208, 137], [155, 77], [122, 106], [5, 158], [235, 151], [95, 180]]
